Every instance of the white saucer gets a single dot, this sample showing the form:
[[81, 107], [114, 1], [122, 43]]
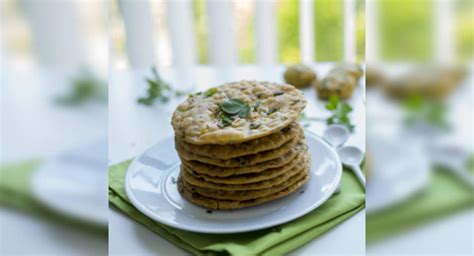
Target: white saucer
[[150, 184]]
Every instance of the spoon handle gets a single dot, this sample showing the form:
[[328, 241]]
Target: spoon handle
[[360, 176]]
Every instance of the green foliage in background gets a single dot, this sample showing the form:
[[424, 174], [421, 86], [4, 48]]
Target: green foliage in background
[[465, 29], [200, 28], [360, 30], [406, 29], [329, 29], [288, 31], [247, 42]]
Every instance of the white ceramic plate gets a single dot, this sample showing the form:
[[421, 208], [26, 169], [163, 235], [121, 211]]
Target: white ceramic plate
[[75, 183], [400, 169], [150, 184]]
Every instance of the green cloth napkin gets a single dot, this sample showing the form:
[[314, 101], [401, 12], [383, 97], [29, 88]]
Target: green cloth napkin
[[15, 193], [272, 241], [445, 194], [15, 186]]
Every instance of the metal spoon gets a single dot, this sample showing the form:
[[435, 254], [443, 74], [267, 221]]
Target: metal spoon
[[336, 135], [351, 157]]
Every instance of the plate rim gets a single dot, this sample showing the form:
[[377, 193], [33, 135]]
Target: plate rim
[[411, 192], [149, 214], [39, 195]]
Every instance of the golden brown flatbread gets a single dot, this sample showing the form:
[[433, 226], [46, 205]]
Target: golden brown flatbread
[[243, 195], [217, 171], [228, 151], [218, 204], [270, 108]]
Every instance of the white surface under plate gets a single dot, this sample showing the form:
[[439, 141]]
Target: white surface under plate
[[151, 187]]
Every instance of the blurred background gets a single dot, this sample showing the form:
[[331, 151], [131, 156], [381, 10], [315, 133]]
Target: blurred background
[[419, 78], [269, 32], [53, 166], [236, 32]]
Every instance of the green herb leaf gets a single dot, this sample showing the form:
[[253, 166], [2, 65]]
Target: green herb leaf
[[225, 120], [254, 126], [294, 102], [158, 89], [210, 92], [244, 112], [256, 105], [339, 113], [271, 111], [333, 102], [232, 106]]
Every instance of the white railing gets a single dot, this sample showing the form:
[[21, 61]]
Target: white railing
[[221, 32], [142, 51], [139, 32], [350, 49], [371, 32], [444, 31], [307, 39], [265, 33]]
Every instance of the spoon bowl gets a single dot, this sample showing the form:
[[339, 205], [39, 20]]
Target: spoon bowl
[[351, 155], [336, 135]]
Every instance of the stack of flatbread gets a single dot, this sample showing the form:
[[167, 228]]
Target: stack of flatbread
[[240, 144]]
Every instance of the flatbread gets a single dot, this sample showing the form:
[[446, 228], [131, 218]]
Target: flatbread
[[273, 106], [242, 161], [198, 182], [217, 171], [254, 177], [243, 195], [272, 141], [218, 204]]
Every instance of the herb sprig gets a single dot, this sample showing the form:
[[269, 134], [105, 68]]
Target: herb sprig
[[419, 109], [158, 89], [340, 113], [231, 108], [85, 88]]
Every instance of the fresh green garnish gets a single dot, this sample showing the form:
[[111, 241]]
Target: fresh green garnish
[[210, 92], [271, 111], [234, 107], [420, 109], [256, 105], [85, 88], [340, 113], [158, 89], [231, 108], [254, 126], [226, 120]]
